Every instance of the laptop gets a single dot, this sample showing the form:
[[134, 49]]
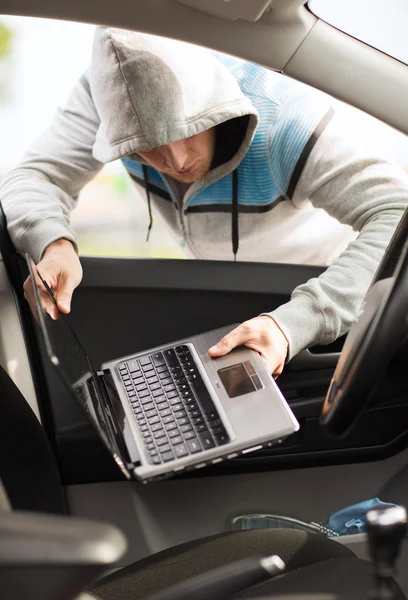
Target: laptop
[[171, 408]]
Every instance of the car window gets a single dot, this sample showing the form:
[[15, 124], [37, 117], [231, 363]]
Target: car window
[[39, 65], [380, 24]]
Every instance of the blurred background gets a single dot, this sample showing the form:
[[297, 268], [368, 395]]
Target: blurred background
[[41, 59]]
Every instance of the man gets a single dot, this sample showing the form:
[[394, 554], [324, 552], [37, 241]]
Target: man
[[235, 158]]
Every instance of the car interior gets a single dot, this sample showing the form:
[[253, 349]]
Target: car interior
[[71, 526]]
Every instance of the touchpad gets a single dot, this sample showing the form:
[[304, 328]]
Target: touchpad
[[240, 379]]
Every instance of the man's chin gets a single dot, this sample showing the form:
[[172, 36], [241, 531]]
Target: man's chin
[[190, 177]]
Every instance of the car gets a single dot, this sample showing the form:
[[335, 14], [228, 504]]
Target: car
[[117, 311]]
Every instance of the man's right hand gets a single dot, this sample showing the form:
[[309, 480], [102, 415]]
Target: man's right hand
[[61, 269]]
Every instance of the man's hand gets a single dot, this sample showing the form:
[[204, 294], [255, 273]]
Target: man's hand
[[261, 334], [61, 269]]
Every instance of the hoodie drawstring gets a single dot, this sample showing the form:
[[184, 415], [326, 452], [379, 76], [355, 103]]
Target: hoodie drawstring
[[235, 210], [149, 203]]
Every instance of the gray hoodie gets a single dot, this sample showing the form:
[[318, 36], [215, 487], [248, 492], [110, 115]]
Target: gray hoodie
[[293, 165]]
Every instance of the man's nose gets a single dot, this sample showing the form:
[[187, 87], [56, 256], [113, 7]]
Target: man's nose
[[176, 155]]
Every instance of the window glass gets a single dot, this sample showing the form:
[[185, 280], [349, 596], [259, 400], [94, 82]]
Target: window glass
[[34, 82], [110, 219], [380, 24]]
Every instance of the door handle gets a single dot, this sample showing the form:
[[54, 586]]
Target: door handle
[[306, 361]]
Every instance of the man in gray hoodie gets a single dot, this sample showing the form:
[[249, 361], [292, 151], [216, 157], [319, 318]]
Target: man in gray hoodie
[[239, 161]]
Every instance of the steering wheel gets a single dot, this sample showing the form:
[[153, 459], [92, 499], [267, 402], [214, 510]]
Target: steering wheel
[[372, 340]]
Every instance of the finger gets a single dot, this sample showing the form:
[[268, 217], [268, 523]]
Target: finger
[[236, 337], [45, 299], [66, 287]]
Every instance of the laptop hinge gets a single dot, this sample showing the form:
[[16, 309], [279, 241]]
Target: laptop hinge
[[118, 419]]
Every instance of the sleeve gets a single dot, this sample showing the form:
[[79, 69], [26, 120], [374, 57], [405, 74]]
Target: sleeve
[[359, 189], [40, 193]]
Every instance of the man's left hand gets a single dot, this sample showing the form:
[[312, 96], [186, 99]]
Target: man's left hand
[[261, 334]]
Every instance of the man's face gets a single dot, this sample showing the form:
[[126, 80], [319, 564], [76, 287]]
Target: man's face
[[186, 160]]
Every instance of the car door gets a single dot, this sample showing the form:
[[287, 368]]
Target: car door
[[124, 305]]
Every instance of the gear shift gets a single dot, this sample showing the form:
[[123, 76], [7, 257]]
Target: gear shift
[[386, 529]]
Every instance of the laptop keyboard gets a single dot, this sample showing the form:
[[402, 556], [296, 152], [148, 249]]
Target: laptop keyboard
[[175, 413]]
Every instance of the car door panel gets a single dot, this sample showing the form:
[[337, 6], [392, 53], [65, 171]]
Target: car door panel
[[126, 305]]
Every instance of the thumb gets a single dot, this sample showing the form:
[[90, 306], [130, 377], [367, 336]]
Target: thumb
[[64, 294]]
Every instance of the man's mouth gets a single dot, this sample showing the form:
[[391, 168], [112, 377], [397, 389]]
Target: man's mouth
[[188, 170]]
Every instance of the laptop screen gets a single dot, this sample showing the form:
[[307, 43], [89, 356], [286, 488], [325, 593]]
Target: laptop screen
[[66, 352]]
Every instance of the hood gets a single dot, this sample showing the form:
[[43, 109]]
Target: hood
[[150, 91]]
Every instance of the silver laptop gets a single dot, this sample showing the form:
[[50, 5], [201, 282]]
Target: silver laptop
[[171, 408]]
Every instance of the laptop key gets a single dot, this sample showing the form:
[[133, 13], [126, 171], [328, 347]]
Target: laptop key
[[201, 427], [172, 393], [204, 397], [144, 427], [180, 413], [153, 452], [161, 441], [216, 423], [180, 450], [168, 419], [151, 413], [185, 428], [170, 426], [144, 360], [142, 422], [143, 394], [156, 393], [147, 403], [160, 400], [217, 430], [156, 427], [173, 433], [212, 416], [147, 368], [159, 434], [169, 388], [193, 446], [189, 435], [157, 359], [162, 369], [154, 387], [126, 377], [165, 412], [151, 445], [148, 439], [156, 460], [166, 381], [182, 348], [131, 394], [198, 420], [141, 387], [206, 440], [183, 421], [154, 420], [170, 357], [163, 406], [133, 365], [168, 456], [152, 378], [165, 448], [177, 439], [190, 406], [221, 438]]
